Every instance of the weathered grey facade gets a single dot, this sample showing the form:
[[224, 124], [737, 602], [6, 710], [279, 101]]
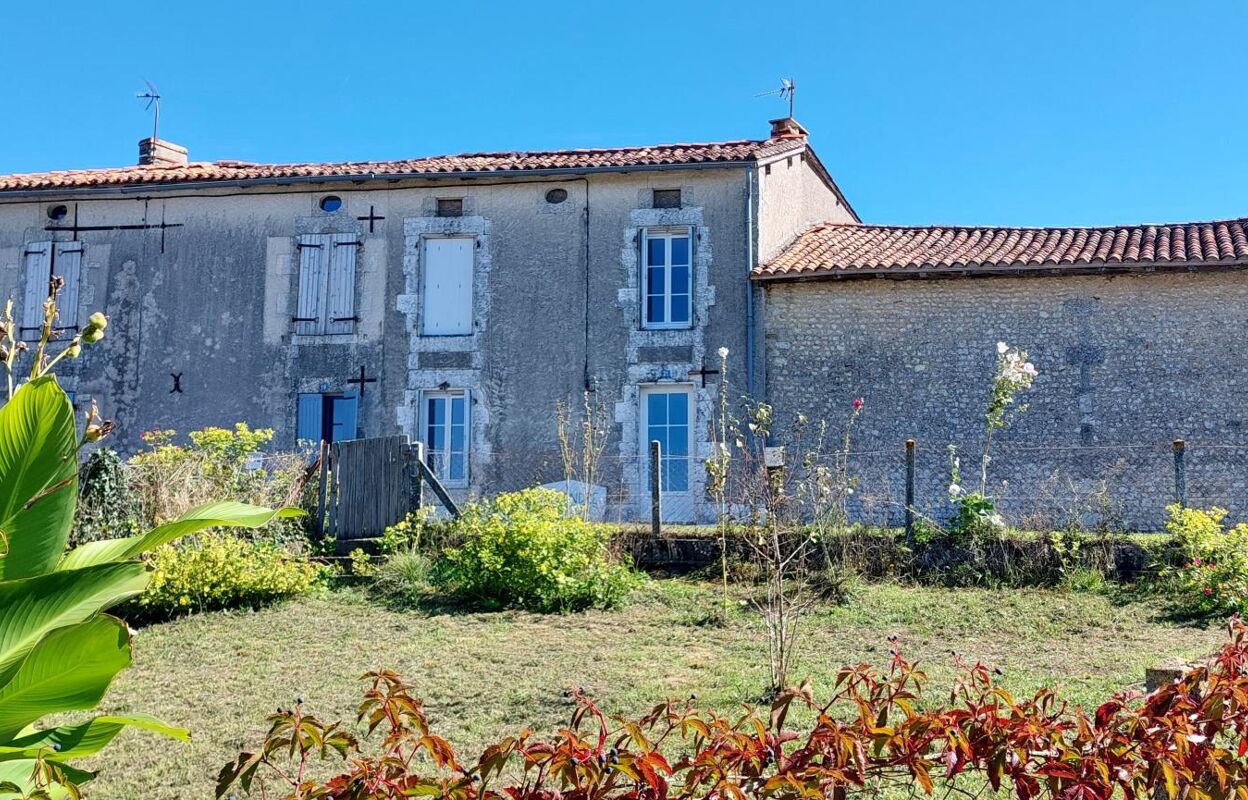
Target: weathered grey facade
[[210, 276]]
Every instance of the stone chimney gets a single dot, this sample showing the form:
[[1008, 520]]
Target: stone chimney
[[159, 153], [787, 128]]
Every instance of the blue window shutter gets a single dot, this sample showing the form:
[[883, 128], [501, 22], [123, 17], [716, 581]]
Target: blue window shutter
[[346, 416], [308, 419]]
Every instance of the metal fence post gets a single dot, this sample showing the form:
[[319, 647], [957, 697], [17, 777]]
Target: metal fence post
[[910, 492], [1180, 473], [656, 488]]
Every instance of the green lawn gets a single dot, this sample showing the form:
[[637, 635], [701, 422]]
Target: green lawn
[[483, 675]]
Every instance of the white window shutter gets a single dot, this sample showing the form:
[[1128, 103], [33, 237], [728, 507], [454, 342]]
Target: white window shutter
[[37, 264], [447, 307], [343, 248], [310, 312], [68, 265]]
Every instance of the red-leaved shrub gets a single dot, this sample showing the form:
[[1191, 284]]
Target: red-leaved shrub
[[874, 732]]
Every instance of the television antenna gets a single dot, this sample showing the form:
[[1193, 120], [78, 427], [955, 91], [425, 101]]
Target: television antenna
[[787, 91], [152, 96]]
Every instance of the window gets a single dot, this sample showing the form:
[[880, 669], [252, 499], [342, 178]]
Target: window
[[667, 279], [447, 308], [556, 196], [58, 213], [43, 261], [444, 423], [450, 207], [665, 419], [331, 203], [665, 198], [326, 283], [328, 417]]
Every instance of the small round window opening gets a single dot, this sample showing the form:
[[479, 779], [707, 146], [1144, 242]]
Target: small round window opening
[[331, 203], [556, 196], [57, 213]]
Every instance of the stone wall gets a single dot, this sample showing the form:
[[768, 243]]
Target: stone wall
[[1127, 363]]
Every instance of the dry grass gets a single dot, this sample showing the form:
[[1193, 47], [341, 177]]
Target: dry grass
[[486, 674]]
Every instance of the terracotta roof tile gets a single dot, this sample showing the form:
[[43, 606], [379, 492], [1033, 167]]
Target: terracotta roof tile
[[650, 156], [845, 250]]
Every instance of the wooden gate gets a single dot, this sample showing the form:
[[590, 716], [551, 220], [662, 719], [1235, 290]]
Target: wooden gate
[[367, 485]]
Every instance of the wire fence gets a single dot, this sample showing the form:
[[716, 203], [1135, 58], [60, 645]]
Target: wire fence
[[1095, 487]]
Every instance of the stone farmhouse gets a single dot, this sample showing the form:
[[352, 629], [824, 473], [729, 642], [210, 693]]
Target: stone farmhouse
[[458, 299]]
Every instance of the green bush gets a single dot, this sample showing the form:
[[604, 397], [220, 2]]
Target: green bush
[[1212, 577], [403, 580], [217, 571], [419, 530], [523, 549], [166, 478], [106, 506], [976, 518]]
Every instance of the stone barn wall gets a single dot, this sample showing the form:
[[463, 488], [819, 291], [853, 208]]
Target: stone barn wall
[[1127, 363]]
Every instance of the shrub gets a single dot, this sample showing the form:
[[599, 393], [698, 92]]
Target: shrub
[[218, 570], [167, 478], [1212, 577], [523, 549], [360, 563], [876, 733], [106, 507], [419, 530], [403, 580]]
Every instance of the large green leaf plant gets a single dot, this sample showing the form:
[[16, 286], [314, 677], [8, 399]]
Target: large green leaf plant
[[59, 651]]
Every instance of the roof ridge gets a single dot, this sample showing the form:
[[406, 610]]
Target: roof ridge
[[626, 148], [130, 169]]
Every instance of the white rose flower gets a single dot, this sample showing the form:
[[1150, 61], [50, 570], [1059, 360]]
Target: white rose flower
[[723, 352], [1002, 347], [954, 490]]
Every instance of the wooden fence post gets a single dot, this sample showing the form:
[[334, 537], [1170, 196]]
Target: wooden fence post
[[323, 459], [1180, 473], [334, 491], [656, 488], [910, 492], [416, 457]]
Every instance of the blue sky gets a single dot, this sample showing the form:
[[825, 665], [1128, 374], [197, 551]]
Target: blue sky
[[1092, 112]]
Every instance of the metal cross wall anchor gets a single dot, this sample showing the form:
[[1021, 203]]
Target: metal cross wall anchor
[[702, 373], [362, 380], [371, 218]]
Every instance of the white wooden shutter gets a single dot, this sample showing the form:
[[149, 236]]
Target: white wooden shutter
[[310, 312], [340, 312], [67, 264], [37, 265], [448, 287]]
